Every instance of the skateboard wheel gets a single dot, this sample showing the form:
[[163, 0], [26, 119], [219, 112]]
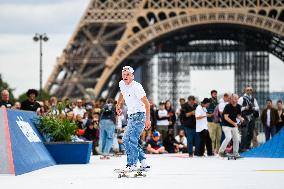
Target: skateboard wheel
[[119, 176]]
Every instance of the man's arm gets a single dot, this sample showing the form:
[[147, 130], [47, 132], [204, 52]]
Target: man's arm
[[147, 107], [120, 100]]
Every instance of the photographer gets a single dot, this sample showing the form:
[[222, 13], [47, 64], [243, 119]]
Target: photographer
[[250, 111], [231, 115]]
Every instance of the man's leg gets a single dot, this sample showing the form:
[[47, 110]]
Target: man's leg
[[109, 136], [228, 137], [250, 133], [267, 133], [208, 143], [244, 133], [126, 139], [201, 143], [212, 131], [189, 138], [218, 137], [235, 135], [273, 131], [102, 139]]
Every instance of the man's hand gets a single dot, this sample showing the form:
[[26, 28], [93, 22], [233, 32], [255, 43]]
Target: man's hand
[[235, 124], [147, 124], [118, 110]]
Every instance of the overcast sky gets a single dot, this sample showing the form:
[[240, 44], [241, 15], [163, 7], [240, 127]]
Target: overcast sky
[[19, 55]]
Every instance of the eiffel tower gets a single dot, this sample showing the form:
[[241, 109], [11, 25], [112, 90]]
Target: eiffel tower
[[113, 33]]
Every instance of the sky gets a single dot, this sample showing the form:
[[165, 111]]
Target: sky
[[19, 54]]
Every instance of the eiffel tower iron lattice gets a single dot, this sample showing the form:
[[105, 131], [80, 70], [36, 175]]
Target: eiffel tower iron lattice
[[112, 33]]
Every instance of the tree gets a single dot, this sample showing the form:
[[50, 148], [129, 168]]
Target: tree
[[4, 85]]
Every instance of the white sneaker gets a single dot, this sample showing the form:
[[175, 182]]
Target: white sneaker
[[144, 166], [130, 168]]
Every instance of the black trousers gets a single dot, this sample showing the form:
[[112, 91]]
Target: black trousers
[[205, 140], [247, 134]]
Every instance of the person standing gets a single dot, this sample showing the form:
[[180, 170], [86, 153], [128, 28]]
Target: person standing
[[188, 121], [31, 104], [171, 114], [5, 99], [250, 111], [269, 119], [202, 128], [230, 117], [107, 128], [214, 128], [138, 106], [162, 124], [280, 109]]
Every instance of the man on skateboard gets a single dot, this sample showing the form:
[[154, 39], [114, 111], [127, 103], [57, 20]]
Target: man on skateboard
[[138, 112]]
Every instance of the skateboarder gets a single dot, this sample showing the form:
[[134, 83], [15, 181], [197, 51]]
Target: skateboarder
[[138, 112], [231, 115]]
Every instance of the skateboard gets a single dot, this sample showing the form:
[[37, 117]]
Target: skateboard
[[233, 157], [133, 174]]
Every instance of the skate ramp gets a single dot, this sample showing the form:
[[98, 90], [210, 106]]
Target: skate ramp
[[274, 148], [21, 147]]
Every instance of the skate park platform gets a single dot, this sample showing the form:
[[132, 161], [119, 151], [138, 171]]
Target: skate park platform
[[21, 147], [167, 171], [274, 148]]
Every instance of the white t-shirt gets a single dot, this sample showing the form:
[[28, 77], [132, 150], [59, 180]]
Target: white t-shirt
[[201, 124], [80, 111], [184, 140], [164, 122], [268, 117], [132, 95]]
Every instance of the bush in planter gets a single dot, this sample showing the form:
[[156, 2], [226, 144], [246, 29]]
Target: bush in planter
[[58, 129]]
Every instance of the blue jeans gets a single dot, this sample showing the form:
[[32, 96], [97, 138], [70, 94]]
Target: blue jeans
[[107, 128], [134, 129], [269, 131], [192, 139]]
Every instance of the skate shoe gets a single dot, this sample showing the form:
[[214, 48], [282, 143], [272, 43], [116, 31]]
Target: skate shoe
[[144, 166], [130, 168]]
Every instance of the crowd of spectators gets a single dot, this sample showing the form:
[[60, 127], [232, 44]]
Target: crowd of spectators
[[196, 128]]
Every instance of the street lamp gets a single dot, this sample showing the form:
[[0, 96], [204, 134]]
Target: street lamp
[[40, 38]]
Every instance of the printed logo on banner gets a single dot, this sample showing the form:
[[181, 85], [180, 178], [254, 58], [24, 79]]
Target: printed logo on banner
[[27, 130]]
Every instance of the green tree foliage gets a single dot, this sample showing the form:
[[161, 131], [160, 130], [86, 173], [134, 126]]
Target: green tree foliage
[[4, 85]]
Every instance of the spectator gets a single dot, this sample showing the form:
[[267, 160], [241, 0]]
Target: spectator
[[5, 99], [188, 122], [162, 120], [79, 109], [79, 121], [250, 111], [269, 119], [92, 134], [153, 118], [70, 116], [31, 104], [107, 128], [231, 112], [202, 128], [178, 114], [170, 143], [181, 142], [171, 114], [53, 106], [154, 145], [214, 128], [17, 105], [280, 109]]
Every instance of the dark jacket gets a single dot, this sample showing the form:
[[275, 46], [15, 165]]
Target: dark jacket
[[281, 123], [190, 121], [211, 108], [274, 117]]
